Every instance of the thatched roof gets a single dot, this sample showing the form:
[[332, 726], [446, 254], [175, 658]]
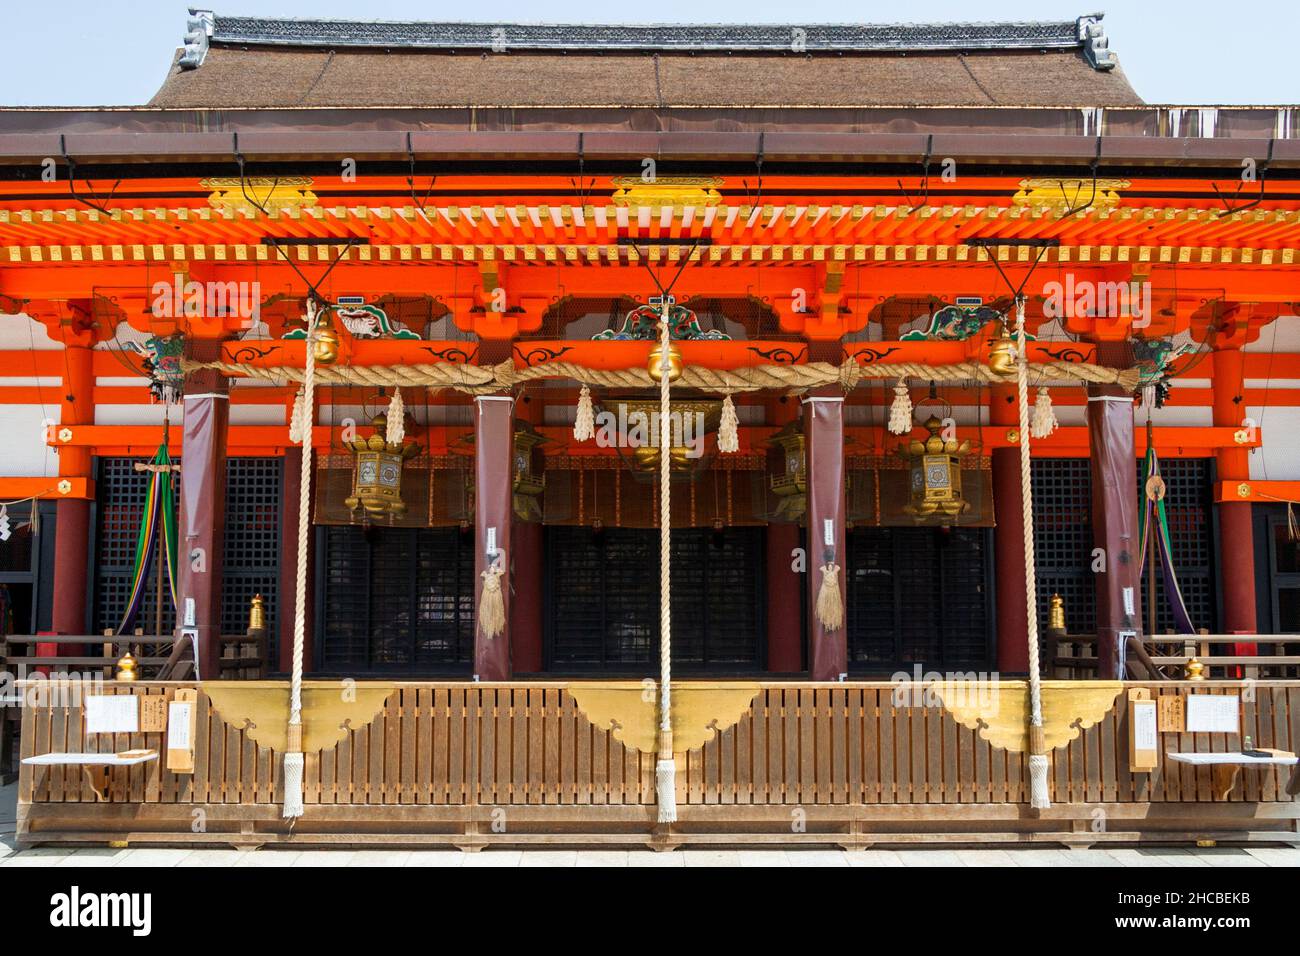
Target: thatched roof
[[232, 62]]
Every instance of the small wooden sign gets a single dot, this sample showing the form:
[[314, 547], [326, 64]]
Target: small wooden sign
[[153, 714], [1143, 737], [1172, 713], [182, 722]]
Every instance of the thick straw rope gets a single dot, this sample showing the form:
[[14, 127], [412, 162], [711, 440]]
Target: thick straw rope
[[665, 769], [293, 757], [1038, 760], [481, 379]]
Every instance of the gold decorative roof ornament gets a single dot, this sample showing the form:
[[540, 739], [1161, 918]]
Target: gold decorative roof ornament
[[1059, 196], [667, 191], [274, 194]]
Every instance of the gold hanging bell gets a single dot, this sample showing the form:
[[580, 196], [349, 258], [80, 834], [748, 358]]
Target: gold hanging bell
[[1002, 354], [326, 345], [655, 364]]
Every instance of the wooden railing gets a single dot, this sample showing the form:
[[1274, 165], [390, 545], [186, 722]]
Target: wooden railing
[[242, 656], [440, 759], [1277, 656]]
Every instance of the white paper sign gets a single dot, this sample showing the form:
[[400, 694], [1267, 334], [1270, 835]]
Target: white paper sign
[[1144, 725], [178, 725], [828, 532], [112, 714], [1213, 713]]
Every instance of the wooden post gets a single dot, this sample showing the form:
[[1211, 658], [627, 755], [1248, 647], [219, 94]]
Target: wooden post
[[203, 506], [1113, 465], [1236, 530], [494, 434], [823, 423], [1008, 539], [72, 516]]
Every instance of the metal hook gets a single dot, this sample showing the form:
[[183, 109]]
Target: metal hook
[[1096, 162], [72, 181], [925, 180]]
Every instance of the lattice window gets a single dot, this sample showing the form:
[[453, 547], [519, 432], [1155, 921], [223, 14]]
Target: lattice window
[[251, 562], [120, 494], [252, 542], [1063, 540], [918, 596], [395, 599], [603, 598]]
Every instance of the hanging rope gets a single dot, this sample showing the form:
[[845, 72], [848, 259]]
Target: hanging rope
[[483, 379], [293, 757], [665, 769], [1038, 760]]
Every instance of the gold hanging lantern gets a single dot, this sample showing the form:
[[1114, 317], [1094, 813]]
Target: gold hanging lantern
[[528, 484], [935, 466], [377, 472], [791, 486]]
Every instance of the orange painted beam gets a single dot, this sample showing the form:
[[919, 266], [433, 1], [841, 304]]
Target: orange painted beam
[[1265, 492], [47, 488]]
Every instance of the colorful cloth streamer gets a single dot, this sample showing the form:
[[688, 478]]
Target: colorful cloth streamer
[[159, 505], [1156, 507]]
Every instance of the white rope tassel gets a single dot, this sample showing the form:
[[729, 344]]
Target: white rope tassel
[[1039, 764], [297, 420], [584, 425], [395, 425], [666, 767], [293, 758], [729, 427], [1044, 416], [830, 605], [900, 411], [491, 602]]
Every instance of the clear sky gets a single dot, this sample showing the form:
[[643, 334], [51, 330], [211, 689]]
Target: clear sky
[[1194, 52]]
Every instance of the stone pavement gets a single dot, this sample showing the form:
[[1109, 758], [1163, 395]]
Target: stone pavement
[[1026, 856]]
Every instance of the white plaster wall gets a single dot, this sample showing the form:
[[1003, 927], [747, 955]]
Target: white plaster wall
[[26, 453], [1279, 459], [21, 332]]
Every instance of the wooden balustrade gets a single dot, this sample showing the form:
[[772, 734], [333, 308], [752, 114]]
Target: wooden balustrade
[[472, 764], [1277, 656]]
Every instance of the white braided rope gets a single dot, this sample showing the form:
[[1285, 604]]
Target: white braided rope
[[293, 762], [1038, 762], [665, 769]]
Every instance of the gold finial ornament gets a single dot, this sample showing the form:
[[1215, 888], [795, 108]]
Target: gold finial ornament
[[257, 613], [126, 668], [655, 365], [1195, 669], [1056, 614]]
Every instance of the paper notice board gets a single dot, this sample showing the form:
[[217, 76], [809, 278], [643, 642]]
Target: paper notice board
[[112, 714], [1213, 713]]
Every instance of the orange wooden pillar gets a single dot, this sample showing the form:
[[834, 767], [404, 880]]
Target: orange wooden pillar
[[494, 434], [72, 517], [1008, 539], [823, 425], [201, 537], [1236, 531]]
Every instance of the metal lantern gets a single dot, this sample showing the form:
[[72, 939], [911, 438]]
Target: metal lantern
[[528, 484], [935, 466], [377, 473], [791, 486]]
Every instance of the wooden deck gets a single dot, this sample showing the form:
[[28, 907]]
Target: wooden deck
[[478, 764]]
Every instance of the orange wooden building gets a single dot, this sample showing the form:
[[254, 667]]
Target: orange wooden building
[[487, 219]]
